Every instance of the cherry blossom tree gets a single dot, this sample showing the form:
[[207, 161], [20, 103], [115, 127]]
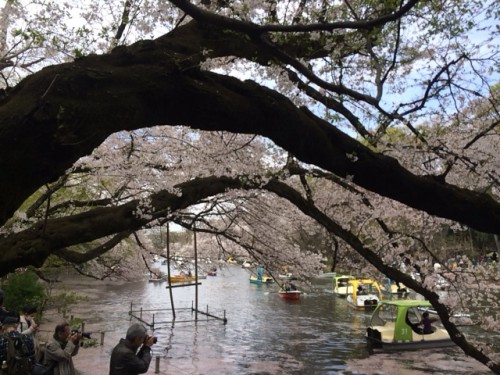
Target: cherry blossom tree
[[122, 116]]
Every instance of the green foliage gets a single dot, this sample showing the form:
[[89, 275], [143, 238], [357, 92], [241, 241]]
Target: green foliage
[[53, 261], [89, 343], [23, 289], [78, 53], [68, 298], [76, 324], [63, 302]]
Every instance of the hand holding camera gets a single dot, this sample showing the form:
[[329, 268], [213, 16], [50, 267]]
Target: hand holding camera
[[75, 336], [150, 340]]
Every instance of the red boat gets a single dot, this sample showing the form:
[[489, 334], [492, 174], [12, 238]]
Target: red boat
[[289, 294]]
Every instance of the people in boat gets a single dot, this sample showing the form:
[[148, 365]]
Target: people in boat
[[388, 283], [260, 273], [426, 322], [361, 290], [288, 287]]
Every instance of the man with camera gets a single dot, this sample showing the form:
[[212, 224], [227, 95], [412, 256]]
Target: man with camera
[[125, 359], [61, 348]]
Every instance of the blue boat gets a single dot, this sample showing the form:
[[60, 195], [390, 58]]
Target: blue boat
[[261, 278]]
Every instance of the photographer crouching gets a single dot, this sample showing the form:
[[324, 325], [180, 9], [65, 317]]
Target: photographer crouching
[[125, 359]]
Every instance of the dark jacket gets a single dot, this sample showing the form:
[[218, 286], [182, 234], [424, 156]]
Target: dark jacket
[[124, 360], [427, 323]]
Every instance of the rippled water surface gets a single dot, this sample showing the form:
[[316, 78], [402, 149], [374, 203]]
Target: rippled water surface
[[264, 334]]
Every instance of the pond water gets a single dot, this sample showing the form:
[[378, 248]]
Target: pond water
[[264, 334]]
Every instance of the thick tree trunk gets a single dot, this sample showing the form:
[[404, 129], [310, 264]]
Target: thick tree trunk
[[63, 112]]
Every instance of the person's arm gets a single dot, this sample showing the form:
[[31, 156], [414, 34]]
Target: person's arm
[[75, 340], [56, 353], [31, 330], [76, 348], [137, 363]]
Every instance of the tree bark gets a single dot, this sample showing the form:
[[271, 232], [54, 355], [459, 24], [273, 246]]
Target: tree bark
[[34, 245], [53, 236], [63, 112]]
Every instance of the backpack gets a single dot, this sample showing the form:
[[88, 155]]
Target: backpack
[[18, 360]]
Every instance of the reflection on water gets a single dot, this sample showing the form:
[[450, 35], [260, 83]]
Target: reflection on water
[[265, 334]]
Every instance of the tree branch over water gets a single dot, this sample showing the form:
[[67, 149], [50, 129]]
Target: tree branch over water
[[28, 247], [63, 112]]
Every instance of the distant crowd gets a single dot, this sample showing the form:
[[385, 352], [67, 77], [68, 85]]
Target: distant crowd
[[463, 261]]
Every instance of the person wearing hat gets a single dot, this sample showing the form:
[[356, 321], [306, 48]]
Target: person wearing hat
[[125, 359], [9, 328]]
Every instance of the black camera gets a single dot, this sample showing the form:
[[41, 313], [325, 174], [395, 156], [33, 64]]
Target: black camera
[[155, 339], [84, 334]]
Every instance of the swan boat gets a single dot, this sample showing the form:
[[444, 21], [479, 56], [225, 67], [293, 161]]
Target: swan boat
[[366, 294], [341, 285]]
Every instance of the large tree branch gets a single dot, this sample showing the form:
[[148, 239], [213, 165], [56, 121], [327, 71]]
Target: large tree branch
[[31, 247], [77, 257], [63, 112], [253, 29]]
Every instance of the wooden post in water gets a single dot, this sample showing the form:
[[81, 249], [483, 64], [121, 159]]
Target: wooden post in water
[[102, 338], [157, 365], [168, 272], [195, 274]]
